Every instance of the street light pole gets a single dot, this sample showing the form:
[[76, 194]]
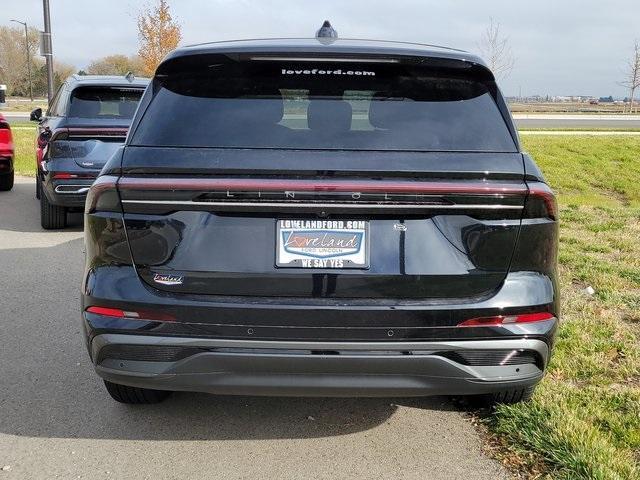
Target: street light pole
[[26, 44], [49, 50]]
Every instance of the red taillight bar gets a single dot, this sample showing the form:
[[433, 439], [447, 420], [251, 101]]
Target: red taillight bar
[[241, 184], [98, 131], [541, 194], [500, 320], [137, 314], [65, 133], [102, 185]]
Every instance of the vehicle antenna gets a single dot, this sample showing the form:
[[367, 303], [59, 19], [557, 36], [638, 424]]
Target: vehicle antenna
[[326, 31]]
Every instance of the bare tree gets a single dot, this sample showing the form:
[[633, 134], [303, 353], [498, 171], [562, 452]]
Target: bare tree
[[13, 62], [496, 50], [632, 75]]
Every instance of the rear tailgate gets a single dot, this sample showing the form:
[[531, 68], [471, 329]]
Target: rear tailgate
[[89, 146], [419, 152], [438, 225]]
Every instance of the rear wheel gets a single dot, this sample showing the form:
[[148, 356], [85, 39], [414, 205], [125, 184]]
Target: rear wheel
[[51, 216], [135, 395], [6, 182], [38, 186]]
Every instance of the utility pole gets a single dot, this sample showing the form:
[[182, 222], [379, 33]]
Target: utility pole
[[48, 50], [26, 45]]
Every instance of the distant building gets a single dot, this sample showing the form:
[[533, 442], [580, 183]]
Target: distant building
[[587, 99]]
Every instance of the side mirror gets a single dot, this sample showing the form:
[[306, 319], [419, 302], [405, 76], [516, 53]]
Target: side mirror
[[36, 115]]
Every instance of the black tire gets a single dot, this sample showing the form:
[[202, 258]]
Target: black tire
[[135, 395], [38, 186], [52, 217], [6, 182], [508, 397]]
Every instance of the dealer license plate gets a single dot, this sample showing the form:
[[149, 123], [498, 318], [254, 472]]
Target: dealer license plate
[[322, 243]]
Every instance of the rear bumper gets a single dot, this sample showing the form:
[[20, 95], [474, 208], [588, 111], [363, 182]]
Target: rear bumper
[[314, 347], [73, 195], [243, 367], [69, 193]]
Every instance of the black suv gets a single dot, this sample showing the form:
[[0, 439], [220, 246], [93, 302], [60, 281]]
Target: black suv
[[303, 217], [86, 122]]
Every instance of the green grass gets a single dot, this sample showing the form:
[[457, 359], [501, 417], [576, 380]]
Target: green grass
[[584, 420], [24, 135], [581, 129]]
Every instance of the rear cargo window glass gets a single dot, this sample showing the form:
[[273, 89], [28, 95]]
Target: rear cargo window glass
[[274, 105], [104, 102]]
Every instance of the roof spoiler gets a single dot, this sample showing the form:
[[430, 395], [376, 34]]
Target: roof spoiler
[[199, 60]]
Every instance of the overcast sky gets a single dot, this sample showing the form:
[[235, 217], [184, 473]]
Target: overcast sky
[[562, 47]]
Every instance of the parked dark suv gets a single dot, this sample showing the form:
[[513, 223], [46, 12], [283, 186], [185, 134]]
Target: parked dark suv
[[86, 122], [343, 218]]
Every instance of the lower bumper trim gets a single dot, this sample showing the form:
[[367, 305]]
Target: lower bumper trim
[[66, 189], [292, 369]]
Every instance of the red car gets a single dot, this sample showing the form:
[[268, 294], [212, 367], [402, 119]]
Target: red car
[[6, 156]]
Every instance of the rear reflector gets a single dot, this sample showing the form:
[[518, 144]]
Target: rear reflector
[[63, 176], [109, 312], [69, 176], [499, 320], [138, 315]]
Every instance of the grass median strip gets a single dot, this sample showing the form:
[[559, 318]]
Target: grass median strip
[[572, 133], [24, 135], [584, 420]]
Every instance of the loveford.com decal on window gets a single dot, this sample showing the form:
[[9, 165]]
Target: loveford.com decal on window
[[316, 71]]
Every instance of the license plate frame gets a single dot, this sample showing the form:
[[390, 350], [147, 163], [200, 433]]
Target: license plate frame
[[322, 244]]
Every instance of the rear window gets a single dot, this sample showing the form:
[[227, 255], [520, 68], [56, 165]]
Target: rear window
[[366, 106], [104, 102]]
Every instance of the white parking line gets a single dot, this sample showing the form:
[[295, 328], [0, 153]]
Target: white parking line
[[598, 133]]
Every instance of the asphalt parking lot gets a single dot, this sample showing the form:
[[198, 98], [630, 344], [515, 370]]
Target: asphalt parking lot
[[57, 421]]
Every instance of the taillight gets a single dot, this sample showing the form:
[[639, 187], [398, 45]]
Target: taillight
[[136, 315], [540, 202], [5, 138], [499, 320], [103, 195]]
